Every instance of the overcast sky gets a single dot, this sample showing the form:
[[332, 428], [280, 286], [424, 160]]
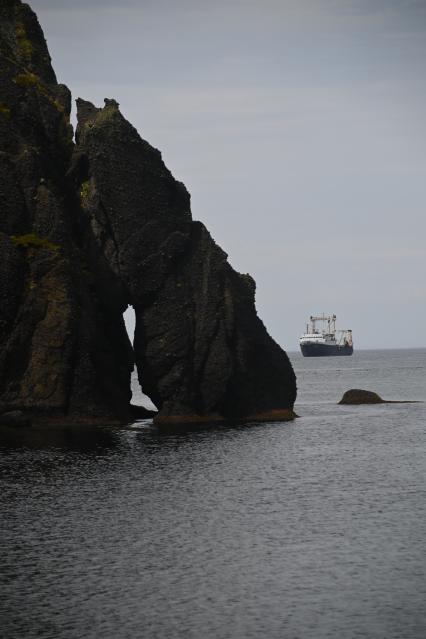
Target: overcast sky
[[299, 128]]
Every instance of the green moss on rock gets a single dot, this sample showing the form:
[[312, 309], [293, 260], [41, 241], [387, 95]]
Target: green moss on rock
[[84, 191], [106, 115], [4, 109], [31, 241], [27, 80], [31, 80], [24, 45]]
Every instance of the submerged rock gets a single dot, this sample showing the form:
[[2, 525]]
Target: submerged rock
[[87, 230]]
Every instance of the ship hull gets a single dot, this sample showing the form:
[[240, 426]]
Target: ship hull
[[325, 350]]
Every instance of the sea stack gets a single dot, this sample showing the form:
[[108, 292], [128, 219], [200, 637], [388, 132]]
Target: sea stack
[[91, 227]]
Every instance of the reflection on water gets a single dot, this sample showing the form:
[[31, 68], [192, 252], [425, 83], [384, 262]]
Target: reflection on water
[[72, 439], [311, 529]]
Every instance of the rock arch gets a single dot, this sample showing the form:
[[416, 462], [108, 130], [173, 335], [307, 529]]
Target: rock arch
[[92, 227]]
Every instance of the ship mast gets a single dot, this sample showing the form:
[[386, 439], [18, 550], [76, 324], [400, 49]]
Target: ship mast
[[330, 319]]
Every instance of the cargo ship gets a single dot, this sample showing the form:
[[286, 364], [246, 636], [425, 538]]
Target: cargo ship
[[325, 342]]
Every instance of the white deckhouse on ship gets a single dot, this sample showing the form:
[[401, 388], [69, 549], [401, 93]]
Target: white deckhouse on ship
[[327, 341]]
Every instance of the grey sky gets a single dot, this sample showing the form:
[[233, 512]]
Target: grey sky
[[299, 128]]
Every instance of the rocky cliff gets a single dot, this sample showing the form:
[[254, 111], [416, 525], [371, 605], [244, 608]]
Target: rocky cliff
[[90, 227], [61, 349]]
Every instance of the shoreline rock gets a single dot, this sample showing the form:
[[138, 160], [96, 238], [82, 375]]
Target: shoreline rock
[[275, 415]]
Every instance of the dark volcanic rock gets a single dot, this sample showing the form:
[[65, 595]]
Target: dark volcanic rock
[[87, 230], [359, 396], [200, 349], [59, 350]]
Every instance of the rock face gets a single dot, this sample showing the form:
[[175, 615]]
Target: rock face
[[90, 228], [61, 349]]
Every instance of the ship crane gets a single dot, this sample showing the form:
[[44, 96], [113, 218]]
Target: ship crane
[[330, 319]]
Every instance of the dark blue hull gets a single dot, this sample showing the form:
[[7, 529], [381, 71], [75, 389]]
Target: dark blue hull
[[323, 350]]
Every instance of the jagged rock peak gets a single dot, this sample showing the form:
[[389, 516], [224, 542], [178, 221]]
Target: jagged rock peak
[[109, 102], [23, 39], [87, 111]]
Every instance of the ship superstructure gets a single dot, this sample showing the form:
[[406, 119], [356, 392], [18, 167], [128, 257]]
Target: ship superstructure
[[327, 341]]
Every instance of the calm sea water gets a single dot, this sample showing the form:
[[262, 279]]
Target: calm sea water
[[312, 529]]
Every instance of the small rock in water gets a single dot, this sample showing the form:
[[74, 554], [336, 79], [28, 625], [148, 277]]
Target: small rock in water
[[359, 396], [15, 418]]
